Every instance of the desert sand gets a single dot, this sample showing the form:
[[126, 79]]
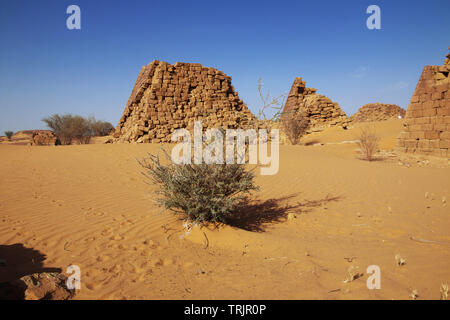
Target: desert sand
[[325, 211]]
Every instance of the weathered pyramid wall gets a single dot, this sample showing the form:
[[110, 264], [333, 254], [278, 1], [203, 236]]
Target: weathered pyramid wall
[[320, 110], [167, 97], [427, 121]]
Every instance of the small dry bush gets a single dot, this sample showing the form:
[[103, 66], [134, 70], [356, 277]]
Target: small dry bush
[[201, 192], [294, 126], [368, 142]]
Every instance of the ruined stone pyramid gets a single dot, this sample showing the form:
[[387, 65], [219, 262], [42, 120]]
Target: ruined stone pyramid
[[166, 97], [427, 122], [378, 112], [319, 109]]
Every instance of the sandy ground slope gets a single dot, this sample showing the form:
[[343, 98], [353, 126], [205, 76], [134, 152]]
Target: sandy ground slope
[[87, 205]]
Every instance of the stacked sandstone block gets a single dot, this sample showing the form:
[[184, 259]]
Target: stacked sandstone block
[[427, 122], [167, 97], [320, 110], [378, 112]]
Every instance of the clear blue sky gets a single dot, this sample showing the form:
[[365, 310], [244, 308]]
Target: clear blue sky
[[46, 68]]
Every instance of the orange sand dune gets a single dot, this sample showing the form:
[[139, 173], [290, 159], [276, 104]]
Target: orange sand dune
[[87, 205]]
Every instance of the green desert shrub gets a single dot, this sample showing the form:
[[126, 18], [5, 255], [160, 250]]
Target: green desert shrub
[[73, 128], [9, 134], [201, 192]]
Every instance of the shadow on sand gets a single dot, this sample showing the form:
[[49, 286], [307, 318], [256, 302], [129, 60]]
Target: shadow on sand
[[254, 216], [17, 261]]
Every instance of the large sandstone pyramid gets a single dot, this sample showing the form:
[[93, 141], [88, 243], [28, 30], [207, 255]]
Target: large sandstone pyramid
[[166, 97], [427, 123], [320, 110], [378, 112]]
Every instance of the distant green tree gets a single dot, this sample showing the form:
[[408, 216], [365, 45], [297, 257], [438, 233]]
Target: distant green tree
[[9, 134], [69, 128], [101, 128]]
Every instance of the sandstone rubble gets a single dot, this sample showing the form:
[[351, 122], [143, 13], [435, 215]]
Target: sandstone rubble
[[37, 286]]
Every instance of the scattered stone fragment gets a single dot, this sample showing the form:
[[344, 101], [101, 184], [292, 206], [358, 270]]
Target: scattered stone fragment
[[444, 291], [399, 260], [353, 274], [291, 216], [349, 259], [37, 286], [414, 294]]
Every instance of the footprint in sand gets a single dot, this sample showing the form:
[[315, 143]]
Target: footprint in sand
[[126, 223], [144, 276], [92, 273], [59, 203], [99, 214], [145, 265], [161, 262], [116, 269], [156, 262], [102, 258], [138, 248], [146, 252], [135, 269], [5, 219], [151, 244], [168, 262], [92, 286], [107, 232]]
